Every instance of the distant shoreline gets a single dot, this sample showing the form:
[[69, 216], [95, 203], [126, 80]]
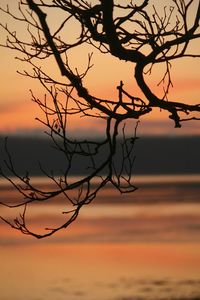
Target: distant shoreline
[[154, 155]]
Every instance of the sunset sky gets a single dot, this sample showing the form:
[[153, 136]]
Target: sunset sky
[[141, 245], [18, 112]]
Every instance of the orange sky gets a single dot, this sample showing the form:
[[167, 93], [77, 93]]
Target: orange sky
[[17, 111]]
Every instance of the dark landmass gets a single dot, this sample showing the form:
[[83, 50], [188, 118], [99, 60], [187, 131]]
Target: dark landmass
[[154, 155]]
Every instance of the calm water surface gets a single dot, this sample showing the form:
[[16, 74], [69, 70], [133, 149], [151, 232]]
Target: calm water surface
[[144, 245]]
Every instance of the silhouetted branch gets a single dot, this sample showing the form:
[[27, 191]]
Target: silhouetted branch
[[143, 35]]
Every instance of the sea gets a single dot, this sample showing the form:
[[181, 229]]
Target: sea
[[143, 245]]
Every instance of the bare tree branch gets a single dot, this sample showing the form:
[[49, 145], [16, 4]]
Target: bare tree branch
[[143, 35]]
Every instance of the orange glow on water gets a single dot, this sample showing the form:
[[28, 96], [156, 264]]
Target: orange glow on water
[[99, 271], [115, 249]]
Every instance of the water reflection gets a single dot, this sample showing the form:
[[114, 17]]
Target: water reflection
[[97, 271], [144, 246]]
